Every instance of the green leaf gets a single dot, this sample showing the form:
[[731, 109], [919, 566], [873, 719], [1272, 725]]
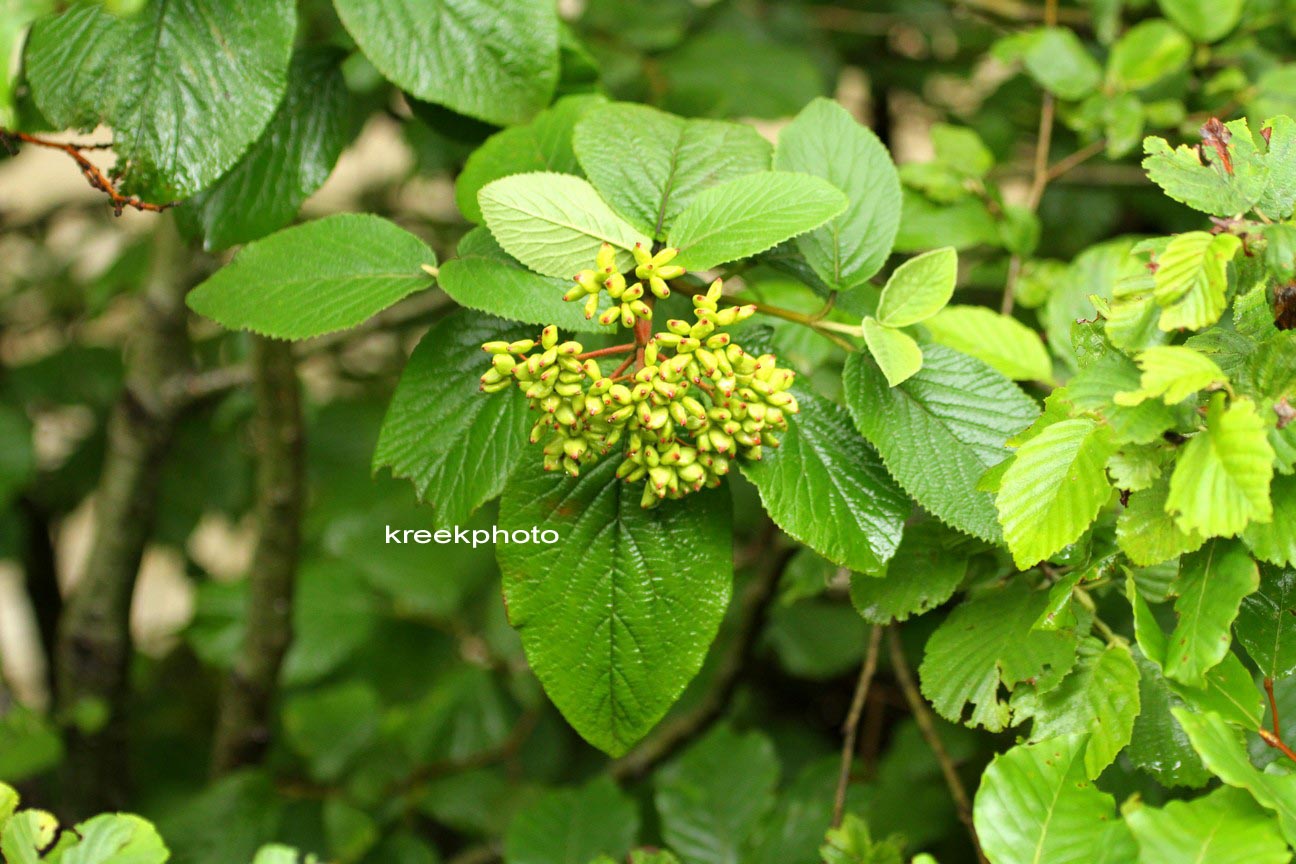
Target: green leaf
[[510, 46], [1172, 373], [716, 794], [1265, 624], [1211, 585], [650, 165], [26, 835], [896, 353], [277, 853], [554, 223], [1222, 749], [544, 144], [1280, 195], [1036, 806], [1095, 391], [1275, 541], [287, 164], [919, 288], [116, 838], [1204, 20], [1210, 187], [1221, 481], [941, 430], [483, 276], [1224, 827], [326, 275], [750, 214], [1059, 61], [175, 131], [1148, 52], [825, 486], [617, 615], [1191, 279], [1147, 533], [1159, 745], [987, 641], [14, 23], [1002, 343], [17, 452], [1099, 696], [851, 843], [1054, 489], [330, 727], [826, 141], [571, 826], [924, 573], [456, 444]]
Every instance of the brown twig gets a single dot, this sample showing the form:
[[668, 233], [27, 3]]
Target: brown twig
[[92, 173], [927, 726], [604, 352], [850, 729], [1079, 157], [1274, 738], [1273, 706]]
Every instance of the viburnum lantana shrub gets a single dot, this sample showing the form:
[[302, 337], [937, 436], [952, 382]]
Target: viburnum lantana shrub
[[1072, 481]]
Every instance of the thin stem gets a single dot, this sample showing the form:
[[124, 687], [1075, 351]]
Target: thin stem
[[604, 352], [94, 176], [850, 730], [827, 329], [1273, 706], [1079, 157], [927, 726], [625, 364]]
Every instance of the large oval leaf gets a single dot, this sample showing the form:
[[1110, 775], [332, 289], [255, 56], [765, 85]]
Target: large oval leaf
[[617, 615], [326, 275], [826, 487], [186, 85], [496, 60]]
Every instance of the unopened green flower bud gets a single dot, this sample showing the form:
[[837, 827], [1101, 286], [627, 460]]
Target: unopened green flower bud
[[495, 347]]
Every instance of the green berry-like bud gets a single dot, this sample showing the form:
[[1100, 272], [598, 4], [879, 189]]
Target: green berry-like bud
[[591, 306], [549, 337], [606, 257], [495, 347]]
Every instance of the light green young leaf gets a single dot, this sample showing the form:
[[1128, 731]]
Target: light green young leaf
[[572, 826], [277, 853], [852, 843], [1224, 827], [925, 572], [8, 804], [1275, 541], [1035, 805], [554, 223], [1265, 624], [1059, 61], [1192, 279], [1172, 373], [1001, 342], [1099, 696], [826, 487], [987, 641], [1093, 390], [650, 165], [614, 635], [544, 144], [456, 444], [483, 276], [896, 353], [1204, 20], [919, 288], [714, 796], [1147, 533], [1221, 481], [26, 834], [1210, 187], [1148, 52], [316, 278], [1054, 489], [116, 838], [750, 214], [1211, 585], [287, 164], [1222, 749], [826, 141], [940, 431], [1280, 195], [511, 46], [175, 132]]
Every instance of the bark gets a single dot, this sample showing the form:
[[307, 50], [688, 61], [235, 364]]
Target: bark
[[94, 641], [243, 728]]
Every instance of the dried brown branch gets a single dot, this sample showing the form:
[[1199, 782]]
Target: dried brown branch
[[850, 729], [92, 173]]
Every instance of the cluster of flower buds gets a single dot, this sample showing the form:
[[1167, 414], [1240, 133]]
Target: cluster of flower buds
[[692, 403], [628, 305]]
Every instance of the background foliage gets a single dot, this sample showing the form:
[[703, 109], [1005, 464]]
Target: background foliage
[[1016, 586]]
